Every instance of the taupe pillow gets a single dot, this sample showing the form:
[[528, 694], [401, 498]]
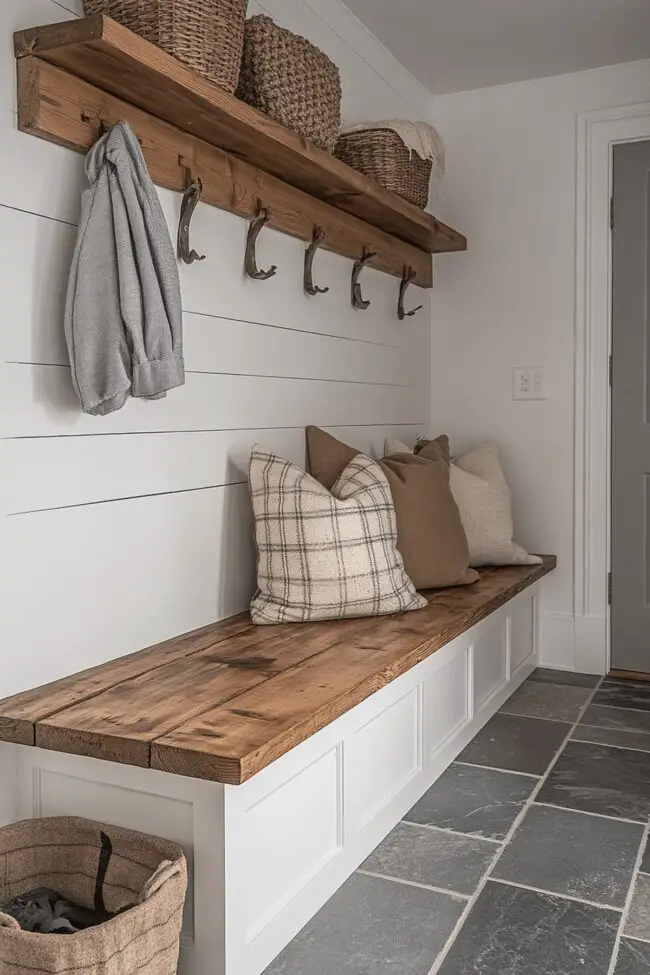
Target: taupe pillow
[[430, 534]]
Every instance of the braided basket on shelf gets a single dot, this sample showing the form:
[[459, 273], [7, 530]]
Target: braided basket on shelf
[[290, 80], [381, 155], [206, 35]]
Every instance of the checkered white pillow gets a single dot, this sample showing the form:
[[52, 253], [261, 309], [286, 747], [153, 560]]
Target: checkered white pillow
[[325, 555]]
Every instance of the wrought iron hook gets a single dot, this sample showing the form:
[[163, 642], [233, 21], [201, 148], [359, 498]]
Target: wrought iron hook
[[250, 263], [310, 287], [191, 197], [408, 276], [358, 301]]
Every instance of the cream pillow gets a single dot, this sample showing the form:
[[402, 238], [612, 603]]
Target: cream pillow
[[483, 497], [325, 554], [395, 447]]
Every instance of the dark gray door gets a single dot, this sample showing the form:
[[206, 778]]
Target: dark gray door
[[631, 409]]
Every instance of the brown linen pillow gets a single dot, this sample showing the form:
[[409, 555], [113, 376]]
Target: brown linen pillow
[[430, 534]]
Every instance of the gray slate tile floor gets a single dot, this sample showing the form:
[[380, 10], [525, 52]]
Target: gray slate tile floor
[[475, 801], [638, 920], [433, 858], [524, 858], [612, 736], [633, 958], [619, 719]]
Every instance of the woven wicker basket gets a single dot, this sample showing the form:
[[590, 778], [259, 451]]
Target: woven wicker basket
[[381, 155], [290, 80], [206, 35]]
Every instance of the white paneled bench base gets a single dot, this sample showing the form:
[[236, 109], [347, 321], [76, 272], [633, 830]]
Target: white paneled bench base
[[278, 790]]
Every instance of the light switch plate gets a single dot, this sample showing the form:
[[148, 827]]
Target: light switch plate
[[528, 382]]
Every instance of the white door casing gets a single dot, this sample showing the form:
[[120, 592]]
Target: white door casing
[[598, 132]]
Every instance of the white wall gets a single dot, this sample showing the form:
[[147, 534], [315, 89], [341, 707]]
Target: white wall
[[510, 301], [121, 531]]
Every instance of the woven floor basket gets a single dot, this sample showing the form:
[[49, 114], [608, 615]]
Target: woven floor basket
[[290, 80], [63, 854], [381, 155], [206, 35]]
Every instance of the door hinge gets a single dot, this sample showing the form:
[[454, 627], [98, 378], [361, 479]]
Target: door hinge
[[611, 213], [611, 370], [609, 588]]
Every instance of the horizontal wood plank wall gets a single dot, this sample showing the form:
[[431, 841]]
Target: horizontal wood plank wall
[[122, 531]]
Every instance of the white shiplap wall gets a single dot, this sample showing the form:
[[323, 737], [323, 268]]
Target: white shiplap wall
[[121, 531]]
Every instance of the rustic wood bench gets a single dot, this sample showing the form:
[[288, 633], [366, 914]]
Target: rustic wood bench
[[278, 756]]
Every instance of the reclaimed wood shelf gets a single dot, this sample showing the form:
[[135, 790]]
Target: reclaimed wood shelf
[[123, 73], [225, 701]]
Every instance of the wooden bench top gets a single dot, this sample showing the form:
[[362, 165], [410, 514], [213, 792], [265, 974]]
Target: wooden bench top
[[223, 702]]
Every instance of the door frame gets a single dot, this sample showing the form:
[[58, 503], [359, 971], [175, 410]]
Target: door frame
[[598, 133]]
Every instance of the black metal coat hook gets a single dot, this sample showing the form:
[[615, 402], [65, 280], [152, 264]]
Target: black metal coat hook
[[191, 197], [408, 276], [358, 301], [310, 287], [254, 229]]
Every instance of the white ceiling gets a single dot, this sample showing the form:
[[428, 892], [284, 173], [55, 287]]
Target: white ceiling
[[457, 45]]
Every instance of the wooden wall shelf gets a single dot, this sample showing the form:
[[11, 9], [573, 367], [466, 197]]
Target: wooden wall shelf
[[78, 74]]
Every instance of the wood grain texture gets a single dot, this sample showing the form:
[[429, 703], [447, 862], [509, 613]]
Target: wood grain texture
[[66, 110], [19, 713], [143, 709], [234, 741], [122, 64], [223, 702]]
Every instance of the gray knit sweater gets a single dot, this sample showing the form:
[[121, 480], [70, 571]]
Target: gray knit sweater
[[123, 318]]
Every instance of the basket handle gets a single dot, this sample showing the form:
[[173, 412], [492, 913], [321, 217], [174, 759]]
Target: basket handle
[[6, 921], [165, 872]]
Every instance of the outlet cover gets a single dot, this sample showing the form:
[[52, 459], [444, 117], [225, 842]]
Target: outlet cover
[[528, 382]]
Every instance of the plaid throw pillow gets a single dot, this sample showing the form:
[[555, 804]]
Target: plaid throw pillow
[[325, 555]]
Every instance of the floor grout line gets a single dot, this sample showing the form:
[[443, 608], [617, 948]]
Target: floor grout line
[[554, 893], [608, 744], [450, 832], [588, 812], [413, 883], [511, 832], [617, 707], [538, 717], [628, 900], [635, 937], [492, 768]]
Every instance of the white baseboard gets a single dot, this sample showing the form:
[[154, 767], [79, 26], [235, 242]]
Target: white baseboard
[[577, 643], [557, 641], [592, 644]]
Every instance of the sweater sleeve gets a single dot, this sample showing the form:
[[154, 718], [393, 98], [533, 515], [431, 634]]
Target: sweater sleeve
[[148, 271], [99, 355]]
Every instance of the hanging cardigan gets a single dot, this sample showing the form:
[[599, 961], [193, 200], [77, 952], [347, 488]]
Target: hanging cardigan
[[123, 318]]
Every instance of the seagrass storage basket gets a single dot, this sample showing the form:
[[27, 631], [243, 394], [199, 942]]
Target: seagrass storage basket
[[143, 891], [289, 79], [381, 155], [206, 35]]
